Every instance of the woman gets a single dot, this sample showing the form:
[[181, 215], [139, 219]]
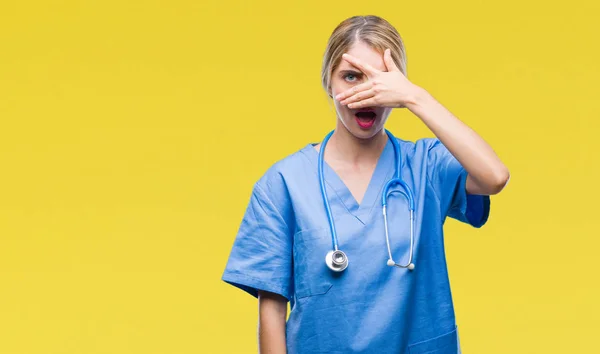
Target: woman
[[367, 299]]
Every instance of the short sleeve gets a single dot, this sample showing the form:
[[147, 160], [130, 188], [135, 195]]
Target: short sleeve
[[261, 256], [449, 180]]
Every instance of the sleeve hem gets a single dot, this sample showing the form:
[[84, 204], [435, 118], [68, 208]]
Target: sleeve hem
[[252, 285], [476, 208], [480, 217]]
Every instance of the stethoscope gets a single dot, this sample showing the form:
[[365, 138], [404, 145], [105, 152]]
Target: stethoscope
[[336, 259]]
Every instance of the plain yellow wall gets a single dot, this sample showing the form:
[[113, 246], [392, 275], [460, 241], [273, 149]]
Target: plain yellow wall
[[131, 133]]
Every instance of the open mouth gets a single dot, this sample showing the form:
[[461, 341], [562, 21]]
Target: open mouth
[[365, 119]]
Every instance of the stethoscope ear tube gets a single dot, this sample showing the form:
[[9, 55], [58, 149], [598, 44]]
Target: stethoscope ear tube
[[408, 195]]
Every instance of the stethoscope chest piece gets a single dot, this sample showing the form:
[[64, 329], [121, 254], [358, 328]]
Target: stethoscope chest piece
[[336, 260]]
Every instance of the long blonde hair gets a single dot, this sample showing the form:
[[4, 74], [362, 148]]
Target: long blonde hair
[[372, 30]]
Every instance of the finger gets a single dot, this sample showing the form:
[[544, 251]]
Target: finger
[[364, 67], [389, 62], [358, 88], [363, 95], [369, 102]]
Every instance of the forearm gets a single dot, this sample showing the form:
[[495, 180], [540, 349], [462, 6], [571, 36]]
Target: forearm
[[272, 324], [487, 174]]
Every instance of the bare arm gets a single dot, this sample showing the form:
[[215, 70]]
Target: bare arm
[[487, 174], [272, 312]]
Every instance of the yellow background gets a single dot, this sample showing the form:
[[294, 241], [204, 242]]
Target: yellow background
[[131, 133]]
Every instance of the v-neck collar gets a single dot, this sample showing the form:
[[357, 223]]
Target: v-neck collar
[[383, 170]]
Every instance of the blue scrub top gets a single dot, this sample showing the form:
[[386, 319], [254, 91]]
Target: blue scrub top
[[370, 307]]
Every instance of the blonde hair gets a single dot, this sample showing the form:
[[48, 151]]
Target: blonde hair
[[373, 31]]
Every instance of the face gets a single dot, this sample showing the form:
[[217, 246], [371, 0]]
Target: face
[[360, 124]]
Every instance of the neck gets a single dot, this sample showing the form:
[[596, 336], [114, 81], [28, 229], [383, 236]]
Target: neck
[[346, 146]]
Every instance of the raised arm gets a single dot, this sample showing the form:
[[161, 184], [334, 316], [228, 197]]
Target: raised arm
[[487, 175]]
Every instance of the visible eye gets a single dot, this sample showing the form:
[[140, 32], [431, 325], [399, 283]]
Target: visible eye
[[350, 77]]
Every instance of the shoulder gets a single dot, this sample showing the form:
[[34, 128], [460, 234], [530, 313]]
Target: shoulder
[[274, 189], [426, 155], [420, 148], [281, 171]]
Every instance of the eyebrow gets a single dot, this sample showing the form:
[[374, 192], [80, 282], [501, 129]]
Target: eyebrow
[[348, 71]]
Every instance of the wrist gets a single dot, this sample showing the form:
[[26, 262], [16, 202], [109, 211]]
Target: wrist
[[418, 98]]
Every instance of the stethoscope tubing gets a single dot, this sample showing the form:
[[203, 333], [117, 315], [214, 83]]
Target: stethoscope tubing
[[407, 193], [324, 191]]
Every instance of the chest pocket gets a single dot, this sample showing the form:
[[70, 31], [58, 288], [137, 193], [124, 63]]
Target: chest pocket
[[444, 344], [311, 275]]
